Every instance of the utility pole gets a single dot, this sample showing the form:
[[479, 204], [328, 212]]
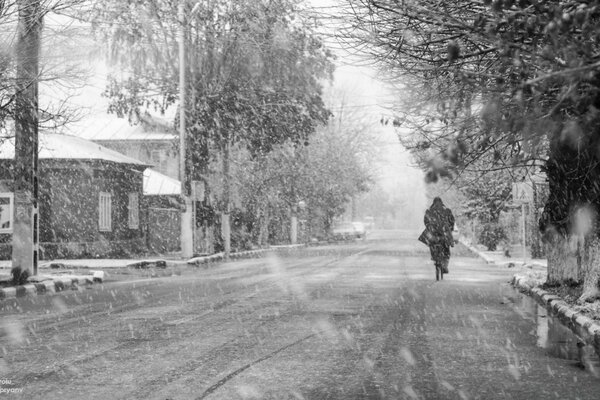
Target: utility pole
[[187, 231], [524, 232], [294, 224], [25, 230], [226, 215]]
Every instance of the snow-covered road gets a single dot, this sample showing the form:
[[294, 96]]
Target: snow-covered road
[[354, 321]]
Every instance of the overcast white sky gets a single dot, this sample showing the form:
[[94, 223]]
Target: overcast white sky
[[361, 91]]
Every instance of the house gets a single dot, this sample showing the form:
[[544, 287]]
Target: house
[[90, 199], [152, 140]]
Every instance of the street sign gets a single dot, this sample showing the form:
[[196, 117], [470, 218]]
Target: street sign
[[198, 190], [522, 192]]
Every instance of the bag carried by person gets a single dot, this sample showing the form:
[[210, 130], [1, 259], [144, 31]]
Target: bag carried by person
[[425, 237]]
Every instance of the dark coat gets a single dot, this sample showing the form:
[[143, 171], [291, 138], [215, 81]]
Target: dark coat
[[439, 223]]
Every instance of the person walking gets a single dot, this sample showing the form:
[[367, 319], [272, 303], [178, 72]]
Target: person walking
[[439, 224]]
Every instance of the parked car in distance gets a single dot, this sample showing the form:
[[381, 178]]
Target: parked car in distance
[[343, 231], [349, 230], [360, 230]]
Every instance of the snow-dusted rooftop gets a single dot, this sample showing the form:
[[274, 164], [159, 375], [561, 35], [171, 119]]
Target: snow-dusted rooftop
[[109, 127], [55, 146], [156, 183]]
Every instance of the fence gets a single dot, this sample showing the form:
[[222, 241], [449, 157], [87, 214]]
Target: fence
[[164, 229]]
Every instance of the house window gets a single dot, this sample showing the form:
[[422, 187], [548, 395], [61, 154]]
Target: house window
[[159, 160], [6, 212], [105, 212], [134, 211]]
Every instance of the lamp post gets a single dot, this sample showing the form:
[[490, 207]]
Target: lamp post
[[300, 205]]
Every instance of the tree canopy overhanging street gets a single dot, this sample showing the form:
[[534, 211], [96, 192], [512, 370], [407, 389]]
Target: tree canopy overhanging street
[[510, 82]]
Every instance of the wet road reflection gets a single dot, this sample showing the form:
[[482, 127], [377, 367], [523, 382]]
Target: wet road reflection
[[556, 338]]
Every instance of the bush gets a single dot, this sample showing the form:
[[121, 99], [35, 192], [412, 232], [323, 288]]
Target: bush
[[491, 235], [19, 276]]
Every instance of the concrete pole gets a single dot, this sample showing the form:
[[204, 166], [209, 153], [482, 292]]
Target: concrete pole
[[187, 232], [25, 229], [523, 231], [226, 215], [226, 232], [294, 226]]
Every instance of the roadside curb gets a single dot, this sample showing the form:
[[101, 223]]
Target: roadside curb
[[586, 329], [221, 257], [159, 270], [485, 258], [242, 254], [54, 285]]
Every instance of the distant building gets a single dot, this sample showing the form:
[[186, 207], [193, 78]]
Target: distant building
[[90, 202], [152, 140]]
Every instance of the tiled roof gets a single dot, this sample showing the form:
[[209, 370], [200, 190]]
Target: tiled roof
[[55, 146]]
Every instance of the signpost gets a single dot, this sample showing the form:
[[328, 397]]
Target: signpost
[[522, 194]]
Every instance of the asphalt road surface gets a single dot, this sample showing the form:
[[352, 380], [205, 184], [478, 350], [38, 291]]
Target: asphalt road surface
[[363, 320]]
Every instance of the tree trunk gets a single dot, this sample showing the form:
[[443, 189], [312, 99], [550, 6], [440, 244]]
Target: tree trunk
[[25, 222], [590, 269], [563, 265]]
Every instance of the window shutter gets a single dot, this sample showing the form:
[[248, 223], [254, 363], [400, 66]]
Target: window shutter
[[105, 212], [134, 211]]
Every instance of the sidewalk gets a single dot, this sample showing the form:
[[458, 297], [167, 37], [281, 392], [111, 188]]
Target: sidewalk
[[87, 270], [58, 275], [534, 270]]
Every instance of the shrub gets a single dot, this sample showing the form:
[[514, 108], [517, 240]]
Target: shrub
[[491, 235], [19, 276]]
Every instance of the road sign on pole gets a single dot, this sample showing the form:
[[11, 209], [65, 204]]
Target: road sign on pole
[[522, 192], [198, 190]]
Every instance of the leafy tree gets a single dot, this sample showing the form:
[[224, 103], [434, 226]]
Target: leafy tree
[[484, 193], [254, 68], [323, 175], [486, 196], [385, 208], [337, 172], [513, 80], [255, 71]]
